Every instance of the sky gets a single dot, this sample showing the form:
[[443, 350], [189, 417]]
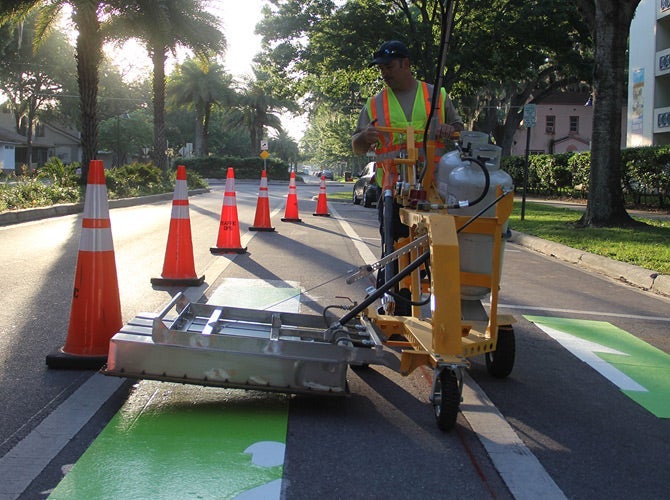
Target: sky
[[238, 19]]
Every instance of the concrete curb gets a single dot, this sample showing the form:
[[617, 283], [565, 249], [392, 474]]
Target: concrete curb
[[634, 275], [33, 214], [640, 277]]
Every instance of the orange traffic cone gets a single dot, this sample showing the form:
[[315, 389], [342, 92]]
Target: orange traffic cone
[[228, 240], [178, 266], [262, 218], [322, 203], [291, 212], [95, 315]]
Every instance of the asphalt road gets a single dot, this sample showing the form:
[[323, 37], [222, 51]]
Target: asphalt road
[[590, 437]]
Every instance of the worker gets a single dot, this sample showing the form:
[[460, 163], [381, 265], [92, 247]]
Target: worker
[[404, 101]]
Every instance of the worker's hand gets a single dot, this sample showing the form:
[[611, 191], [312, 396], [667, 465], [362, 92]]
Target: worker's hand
[[371, 134], [445, 130]]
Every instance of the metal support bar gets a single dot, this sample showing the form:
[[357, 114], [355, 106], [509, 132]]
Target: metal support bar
[[384, 288]]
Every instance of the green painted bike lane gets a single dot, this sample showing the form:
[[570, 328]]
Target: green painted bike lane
[[176, 441], [641, 371]]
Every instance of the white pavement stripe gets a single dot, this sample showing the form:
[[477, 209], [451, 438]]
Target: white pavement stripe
[[519, 468], [23, 463], [363, 250], [580, 311], [586, 350]]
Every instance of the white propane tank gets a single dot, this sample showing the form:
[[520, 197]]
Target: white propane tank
[[447, 163], [466, 183], [451, 160]]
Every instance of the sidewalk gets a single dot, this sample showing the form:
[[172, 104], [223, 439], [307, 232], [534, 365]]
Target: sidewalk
[[637, 276]]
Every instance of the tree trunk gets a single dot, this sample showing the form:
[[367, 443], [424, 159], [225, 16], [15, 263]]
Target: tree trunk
[[89, 54], [205, 129], [29, 133], [158, 58], [512, 121], [199, 142], [605, 202]]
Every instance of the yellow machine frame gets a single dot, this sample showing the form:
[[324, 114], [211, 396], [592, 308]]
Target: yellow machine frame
[[443, 338]]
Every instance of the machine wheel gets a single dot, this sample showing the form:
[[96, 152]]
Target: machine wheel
[[446, 399], [355, 200], [500, 362]]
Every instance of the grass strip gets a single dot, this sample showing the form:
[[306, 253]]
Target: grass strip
[[645, 246]]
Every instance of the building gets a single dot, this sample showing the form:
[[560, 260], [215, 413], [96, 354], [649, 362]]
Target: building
[[48, 141], [649, 75], [563, 124]]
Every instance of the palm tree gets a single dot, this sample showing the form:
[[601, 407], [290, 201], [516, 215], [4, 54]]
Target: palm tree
[[88, 53], [198, 85], [162, 25], [258, 108], [285, 148]]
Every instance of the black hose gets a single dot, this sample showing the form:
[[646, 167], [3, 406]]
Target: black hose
[[485, 191], [481, 212], [448, 10], [390, 283], [388, 231], [400, 298]]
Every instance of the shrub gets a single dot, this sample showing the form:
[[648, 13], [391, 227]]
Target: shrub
[[27, 192], [59, 173], [580, 166], [646, 172], [245, 168], [136, 179]]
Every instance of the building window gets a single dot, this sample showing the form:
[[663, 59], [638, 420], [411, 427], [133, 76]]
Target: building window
[[550, 124], [574, 124]]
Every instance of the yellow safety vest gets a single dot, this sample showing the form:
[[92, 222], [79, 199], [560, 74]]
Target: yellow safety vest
[[386, 109]]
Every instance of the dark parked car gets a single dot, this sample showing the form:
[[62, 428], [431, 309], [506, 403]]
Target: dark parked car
[[328, 174], [365, 188]]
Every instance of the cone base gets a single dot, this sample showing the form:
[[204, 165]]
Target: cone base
[[178, 281], [218, 251], [261, 228], [65, 361], [286, 219], [322, 215]]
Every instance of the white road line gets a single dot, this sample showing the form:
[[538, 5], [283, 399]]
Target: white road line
[[519, 468], [363, 250], [586, 313], [23, 463]]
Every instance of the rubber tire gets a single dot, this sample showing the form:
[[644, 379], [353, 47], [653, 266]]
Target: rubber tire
[[367, 202], [354, 199], [500, 362], [446, 400]]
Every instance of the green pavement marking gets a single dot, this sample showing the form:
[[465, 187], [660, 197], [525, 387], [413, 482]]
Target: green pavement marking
[[641, 371], [173, 441], [272, 295], [182, 443]]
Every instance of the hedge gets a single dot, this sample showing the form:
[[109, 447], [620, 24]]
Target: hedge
[[216, 167], [645, 174]]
